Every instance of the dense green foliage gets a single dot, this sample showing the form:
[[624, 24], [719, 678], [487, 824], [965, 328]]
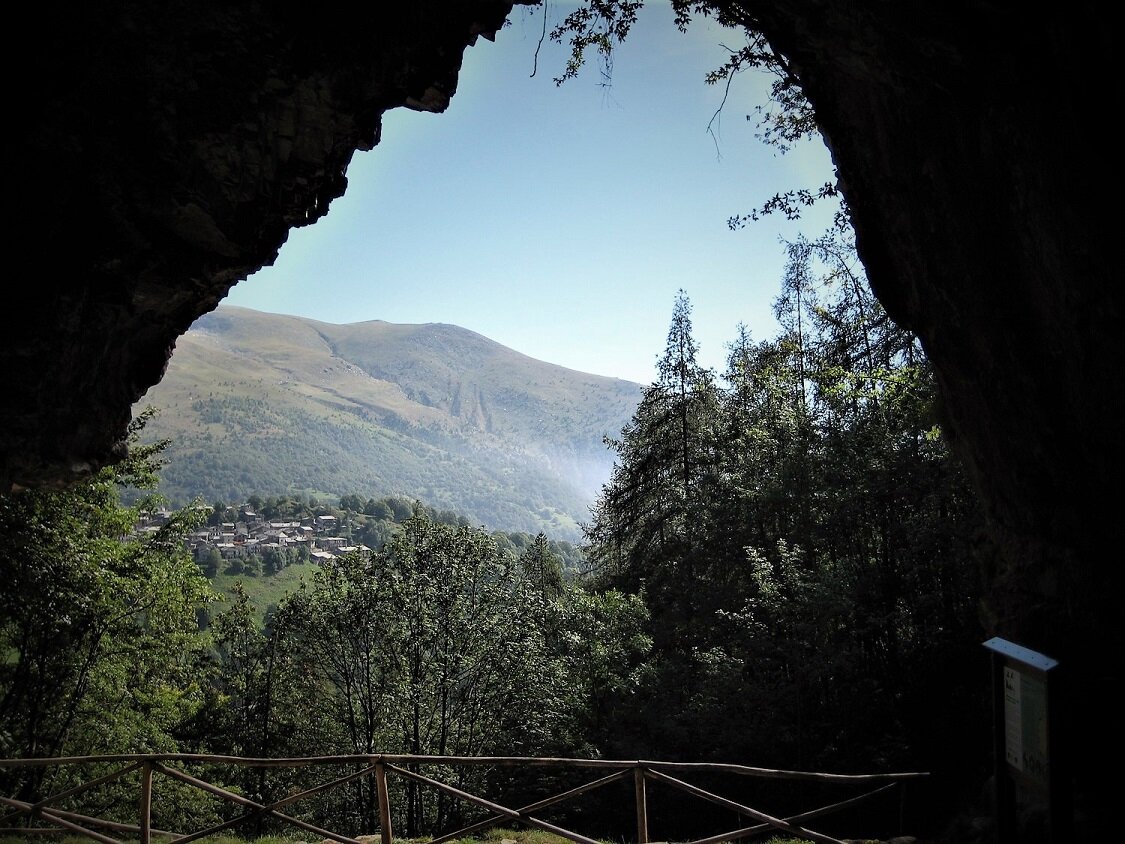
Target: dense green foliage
[[808, 549], [371, 523], [782, 571], [443, 642], [99, 643], [442, 639]]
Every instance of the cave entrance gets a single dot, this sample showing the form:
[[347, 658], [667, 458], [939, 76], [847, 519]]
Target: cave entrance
[[561, 220]]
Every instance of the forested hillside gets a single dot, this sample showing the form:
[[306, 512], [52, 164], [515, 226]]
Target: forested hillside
[[785, 571], [261, 403]]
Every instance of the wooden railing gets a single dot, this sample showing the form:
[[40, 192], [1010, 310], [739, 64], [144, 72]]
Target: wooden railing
[[380, 766]]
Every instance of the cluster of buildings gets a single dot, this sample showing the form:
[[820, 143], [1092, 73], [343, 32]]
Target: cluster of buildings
[[252, 536]]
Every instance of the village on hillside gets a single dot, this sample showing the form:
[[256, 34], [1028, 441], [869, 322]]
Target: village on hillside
[[316, 538]]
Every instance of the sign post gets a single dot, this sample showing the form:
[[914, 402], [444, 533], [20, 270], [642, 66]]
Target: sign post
[[1031, 763]]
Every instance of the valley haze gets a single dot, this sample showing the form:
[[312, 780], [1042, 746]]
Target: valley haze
[[266, 404]]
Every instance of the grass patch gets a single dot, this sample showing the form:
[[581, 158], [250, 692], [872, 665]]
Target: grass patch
[[265, 590]]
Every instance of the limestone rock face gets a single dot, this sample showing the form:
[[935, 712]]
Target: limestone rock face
[[163, 152]]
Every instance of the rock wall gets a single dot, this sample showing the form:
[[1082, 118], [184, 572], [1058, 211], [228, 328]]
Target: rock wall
[[163, 153]]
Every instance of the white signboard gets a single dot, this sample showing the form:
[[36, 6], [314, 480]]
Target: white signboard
[[1013, 719], [1025, 723]]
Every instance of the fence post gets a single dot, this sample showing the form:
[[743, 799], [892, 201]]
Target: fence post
[[901, 807], [384, 802], [146, 803], [642, 805]]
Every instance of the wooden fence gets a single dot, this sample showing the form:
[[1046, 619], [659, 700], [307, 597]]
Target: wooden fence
[[381, 766]]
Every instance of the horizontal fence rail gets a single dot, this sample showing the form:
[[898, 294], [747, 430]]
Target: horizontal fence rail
[[381, 766]]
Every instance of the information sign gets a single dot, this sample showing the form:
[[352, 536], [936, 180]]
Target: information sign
[[1026, 730], [1025, 724]]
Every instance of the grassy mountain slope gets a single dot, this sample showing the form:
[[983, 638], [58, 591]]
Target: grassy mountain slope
[[269, 404]]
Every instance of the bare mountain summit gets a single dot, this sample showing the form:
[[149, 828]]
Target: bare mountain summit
[[272, 405]]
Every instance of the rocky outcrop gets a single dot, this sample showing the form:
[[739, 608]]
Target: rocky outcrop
[[164, 153]]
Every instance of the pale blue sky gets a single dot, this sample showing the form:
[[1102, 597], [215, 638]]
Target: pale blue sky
[[561, 221]]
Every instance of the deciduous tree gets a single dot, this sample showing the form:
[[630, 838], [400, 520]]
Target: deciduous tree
[[99, 641]]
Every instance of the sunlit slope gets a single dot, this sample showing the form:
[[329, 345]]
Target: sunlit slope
[[269, 404]]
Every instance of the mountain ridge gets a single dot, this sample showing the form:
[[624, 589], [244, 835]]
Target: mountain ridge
[[257, 403]]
